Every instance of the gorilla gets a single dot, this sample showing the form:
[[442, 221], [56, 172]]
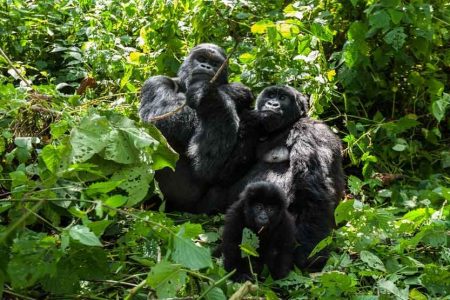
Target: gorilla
[[204, 132], [300, 155], [262, 208]]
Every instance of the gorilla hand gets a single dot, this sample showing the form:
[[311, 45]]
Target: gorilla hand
[[197, 91]]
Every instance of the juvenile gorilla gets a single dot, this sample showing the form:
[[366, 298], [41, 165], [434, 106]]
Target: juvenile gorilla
[[301, 156], [204, 132], [262, 208]]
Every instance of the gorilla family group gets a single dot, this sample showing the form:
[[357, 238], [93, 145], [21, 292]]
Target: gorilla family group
[[272, 169]]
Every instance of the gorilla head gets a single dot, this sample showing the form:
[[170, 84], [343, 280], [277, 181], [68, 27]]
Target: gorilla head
[[264, 205], [202, 63], [281, 106]]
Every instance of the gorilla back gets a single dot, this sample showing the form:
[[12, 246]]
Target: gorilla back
[[191, 127]]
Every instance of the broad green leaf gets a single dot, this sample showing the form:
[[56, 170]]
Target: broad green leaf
[[164, 155], [89, 138], [355, 184], [321, 245], [215, 294], [379, 20], [344, 211], [337, 282], [135, 181], [116, 201], [396, 38], [323, 32], [246, 58], [249, 243], [262, 26], [439, 107], [190, 255], [372, 260], [415, 294], [84, 235], [120, 149], [102, 187], [33, 257], [51, 156], [400, 145], [390, 287], [166, 279]]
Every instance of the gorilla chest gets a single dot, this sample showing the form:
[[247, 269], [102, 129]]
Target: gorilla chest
[[275, 155]]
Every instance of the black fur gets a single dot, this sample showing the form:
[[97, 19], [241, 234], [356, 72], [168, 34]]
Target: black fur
[[204, 132], [303, 157], [262, 208]]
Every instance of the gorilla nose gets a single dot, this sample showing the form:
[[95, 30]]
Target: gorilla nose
[[205, 66], [273, 104]]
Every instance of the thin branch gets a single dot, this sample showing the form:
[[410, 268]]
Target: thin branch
[[246, 288], [14, 68], [179, 108], [216, 284], [136, 289]]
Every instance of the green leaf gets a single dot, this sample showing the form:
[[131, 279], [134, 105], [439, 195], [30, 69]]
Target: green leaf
[[321, 245], [52, 159], [215, 294], [120, 149], [379, 20], [135, 181], [164, 155], [89, 138], [249, 243], [439, 107], [246, 58], [390, 287], [400, 145], [84, 235], [262, 26], [102, 187], [116, 201], [372, 260], [33, 257], [355, 184], [323, 32], [357, 31], [189, 254], [396, 16], [166, 279], [344, 211], [396, 38]]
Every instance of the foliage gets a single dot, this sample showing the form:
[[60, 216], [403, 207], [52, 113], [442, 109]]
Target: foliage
[[76, 173]]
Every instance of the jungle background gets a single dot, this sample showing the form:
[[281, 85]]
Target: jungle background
[[77, 165]]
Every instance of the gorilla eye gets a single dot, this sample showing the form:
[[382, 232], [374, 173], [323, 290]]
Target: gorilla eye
[[283, 97], [271, 94], [258, 206]]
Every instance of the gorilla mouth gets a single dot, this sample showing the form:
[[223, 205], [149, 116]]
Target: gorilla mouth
[[202, 73], [271, 111]]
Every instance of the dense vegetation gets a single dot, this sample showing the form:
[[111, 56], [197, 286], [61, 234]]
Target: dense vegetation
[[77, 166]]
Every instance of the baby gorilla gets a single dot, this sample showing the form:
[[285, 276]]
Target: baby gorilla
[[262, 208]]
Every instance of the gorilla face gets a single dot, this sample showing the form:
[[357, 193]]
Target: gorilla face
[[202, 64], [264, 203], [280, 106]]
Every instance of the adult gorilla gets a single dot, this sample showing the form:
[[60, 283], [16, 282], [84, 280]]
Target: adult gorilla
[[301, 156], [204, 132]]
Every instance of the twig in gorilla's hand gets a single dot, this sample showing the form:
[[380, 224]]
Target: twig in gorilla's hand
[[179, 108], [260, 230]]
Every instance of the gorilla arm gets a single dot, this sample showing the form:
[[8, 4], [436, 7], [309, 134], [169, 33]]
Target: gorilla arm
[[160, 95], [217, 133]]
